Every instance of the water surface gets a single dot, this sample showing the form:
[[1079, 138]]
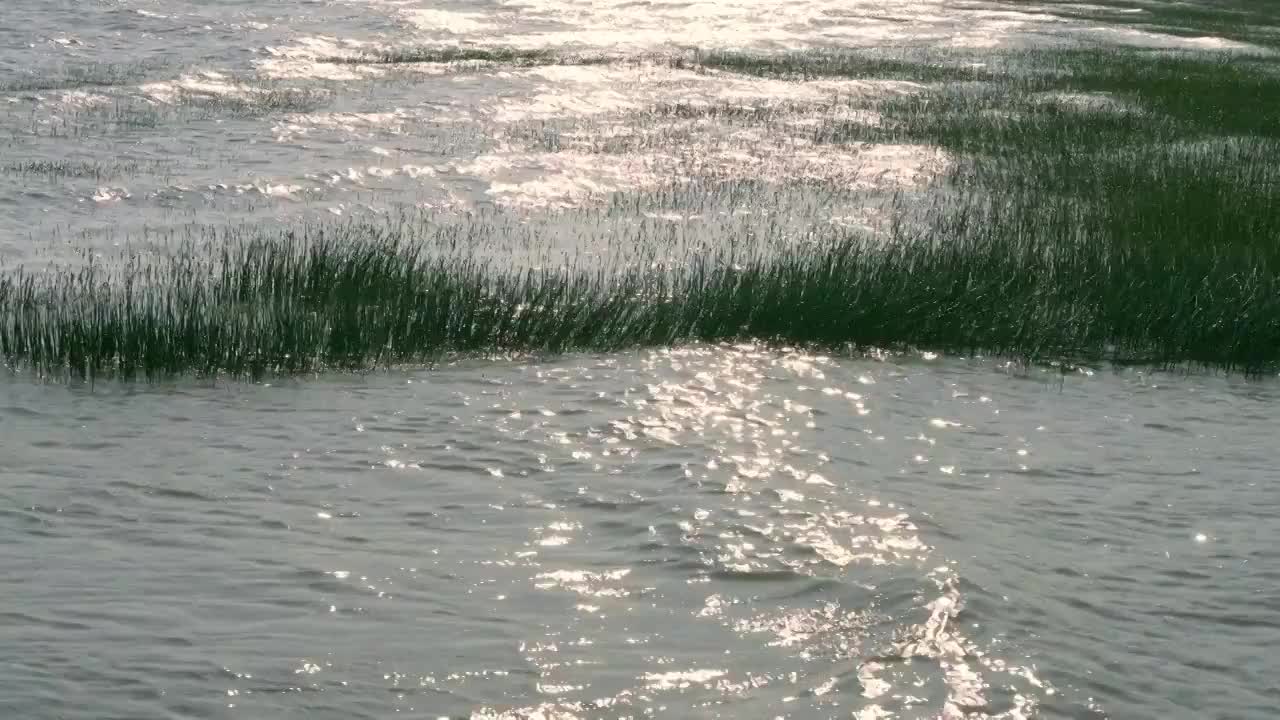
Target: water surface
[[690, 532]]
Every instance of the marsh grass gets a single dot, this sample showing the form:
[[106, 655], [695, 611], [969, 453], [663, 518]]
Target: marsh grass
[[1199, 91], [1103, 204], [1245, 21], [257, 102], [1152, 145], [1014, 275], [1012, 103], [131, 112], [68, 77], [91, 169], [915, 66], [463, 55]]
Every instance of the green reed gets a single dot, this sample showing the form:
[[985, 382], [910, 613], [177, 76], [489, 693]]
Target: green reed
[[1104, 204], [1013, 275]]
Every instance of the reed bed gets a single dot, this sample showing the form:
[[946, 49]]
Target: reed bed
[[1101, 204], [1036, 281]]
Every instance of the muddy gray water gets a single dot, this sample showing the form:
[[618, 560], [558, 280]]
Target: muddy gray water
[[699, 532], [728, 532]]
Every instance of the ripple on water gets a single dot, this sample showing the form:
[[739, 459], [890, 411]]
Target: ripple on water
[[692, 532], [693, 528]]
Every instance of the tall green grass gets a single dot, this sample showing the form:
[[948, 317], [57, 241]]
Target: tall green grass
[[1103, 204], [1014, 275]]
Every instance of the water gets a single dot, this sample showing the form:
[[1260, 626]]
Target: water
[[194, 113], [699, 532], [692, 532]]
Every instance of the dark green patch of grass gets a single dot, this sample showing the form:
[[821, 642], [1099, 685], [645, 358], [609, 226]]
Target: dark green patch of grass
[[1017, 273], [1246, 21], [1107, 204], [1207, 192], [1147, 137], [982, 118], [819, 64], [1069, 107], [450, 54], [1019, 102], [1200, 92]]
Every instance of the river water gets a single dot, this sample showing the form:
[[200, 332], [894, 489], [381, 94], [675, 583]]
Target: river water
[[690, 532]]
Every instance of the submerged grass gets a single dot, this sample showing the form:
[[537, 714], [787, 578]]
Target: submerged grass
[[91, 169], [916, 66], [66, 77], [125, 113], [1018, 104], [457, 54], [1012, 275]]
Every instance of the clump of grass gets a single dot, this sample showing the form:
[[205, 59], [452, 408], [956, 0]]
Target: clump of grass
[[837, 63], [1200, 92], [1014, 274], [1180, 93], [455, 54], [68, 77], [1240, 20], [1204, 192], [995, 119], [255, 102], [65, 169], [139, 113]]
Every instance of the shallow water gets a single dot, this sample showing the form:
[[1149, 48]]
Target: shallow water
[[166, 114], [692, 532]]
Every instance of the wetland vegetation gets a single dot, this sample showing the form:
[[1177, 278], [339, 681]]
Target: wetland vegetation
[[1100, 203]]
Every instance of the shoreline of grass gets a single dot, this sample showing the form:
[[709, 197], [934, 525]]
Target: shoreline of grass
[[972, 279]]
